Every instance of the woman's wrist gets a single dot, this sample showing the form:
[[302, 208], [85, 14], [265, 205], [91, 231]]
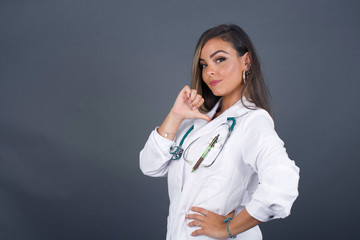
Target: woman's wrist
[[166, 134], [170, 126], [228, 229], [175, 116]]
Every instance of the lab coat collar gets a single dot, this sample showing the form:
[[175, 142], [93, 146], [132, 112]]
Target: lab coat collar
[[236, 110]]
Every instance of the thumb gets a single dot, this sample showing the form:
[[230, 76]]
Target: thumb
[[200, 115]]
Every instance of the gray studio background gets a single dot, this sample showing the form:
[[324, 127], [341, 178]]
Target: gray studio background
[[83, 83]]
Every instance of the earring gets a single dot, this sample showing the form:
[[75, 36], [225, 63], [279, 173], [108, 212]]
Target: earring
[[244, 77]]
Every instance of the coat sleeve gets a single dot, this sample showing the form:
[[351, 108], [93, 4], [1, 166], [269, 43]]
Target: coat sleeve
[[278, 175], [155, 156]]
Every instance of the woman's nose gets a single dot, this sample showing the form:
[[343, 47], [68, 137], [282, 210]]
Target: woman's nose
[[210, 71]]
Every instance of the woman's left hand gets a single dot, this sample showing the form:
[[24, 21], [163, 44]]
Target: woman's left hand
[[211, 224]]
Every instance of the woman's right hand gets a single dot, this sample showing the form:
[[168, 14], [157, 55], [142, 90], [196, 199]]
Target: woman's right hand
[[187, 105]]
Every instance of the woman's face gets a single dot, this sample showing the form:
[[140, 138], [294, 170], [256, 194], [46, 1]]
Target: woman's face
[[222, 68]]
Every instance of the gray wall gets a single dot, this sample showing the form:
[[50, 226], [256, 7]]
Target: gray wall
[[82, 84]]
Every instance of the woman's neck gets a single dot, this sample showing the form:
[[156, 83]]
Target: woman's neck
[[225, 104]]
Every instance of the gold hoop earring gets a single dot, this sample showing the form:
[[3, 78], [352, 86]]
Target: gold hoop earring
[[244, 77]]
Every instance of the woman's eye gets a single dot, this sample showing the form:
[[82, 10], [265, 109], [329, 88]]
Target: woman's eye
[[220, 59], [203, 65]]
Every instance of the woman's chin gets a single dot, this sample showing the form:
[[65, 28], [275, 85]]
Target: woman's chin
[[217, 93]]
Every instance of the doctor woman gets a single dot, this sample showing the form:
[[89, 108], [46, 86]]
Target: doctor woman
[[227, 169]]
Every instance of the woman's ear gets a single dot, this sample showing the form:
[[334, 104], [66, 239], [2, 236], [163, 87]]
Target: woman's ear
[[247, 61]]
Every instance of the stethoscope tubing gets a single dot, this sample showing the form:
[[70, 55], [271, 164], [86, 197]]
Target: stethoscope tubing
[[178, 151]]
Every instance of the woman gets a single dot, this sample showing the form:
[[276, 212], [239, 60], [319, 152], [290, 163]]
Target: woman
[[227, 169]]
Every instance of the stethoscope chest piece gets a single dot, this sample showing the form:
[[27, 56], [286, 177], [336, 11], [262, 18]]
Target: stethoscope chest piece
[[176, 152]]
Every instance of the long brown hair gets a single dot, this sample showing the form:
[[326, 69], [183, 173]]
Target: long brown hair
[[255, 89]]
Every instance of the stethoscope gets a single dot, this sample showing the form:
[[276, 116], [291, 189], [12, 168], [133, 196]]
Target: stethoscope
[[178, 151]]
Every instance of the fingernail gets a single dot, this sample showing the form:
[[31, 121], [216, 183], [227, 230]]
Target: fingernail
[[189, 102], [194, 108]]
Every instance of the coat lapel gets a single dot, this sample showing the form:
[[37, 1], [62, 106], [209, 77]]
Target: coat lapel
[[202, 127]]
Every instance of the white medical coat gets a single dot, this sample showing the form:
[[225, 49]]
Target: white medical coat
[[252, 171]]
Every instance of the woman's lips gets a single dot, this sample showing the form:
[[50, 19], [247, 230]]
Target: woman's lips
[[214, 82]]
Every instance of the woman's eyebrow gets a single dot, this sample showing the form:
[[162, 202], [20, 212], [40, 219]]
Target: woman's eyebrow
[[216, 52], [213, 54]]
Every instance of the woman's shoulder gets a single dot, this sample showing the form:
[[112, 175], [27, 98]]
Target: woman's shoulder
[[259, 112], [257, 118]]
